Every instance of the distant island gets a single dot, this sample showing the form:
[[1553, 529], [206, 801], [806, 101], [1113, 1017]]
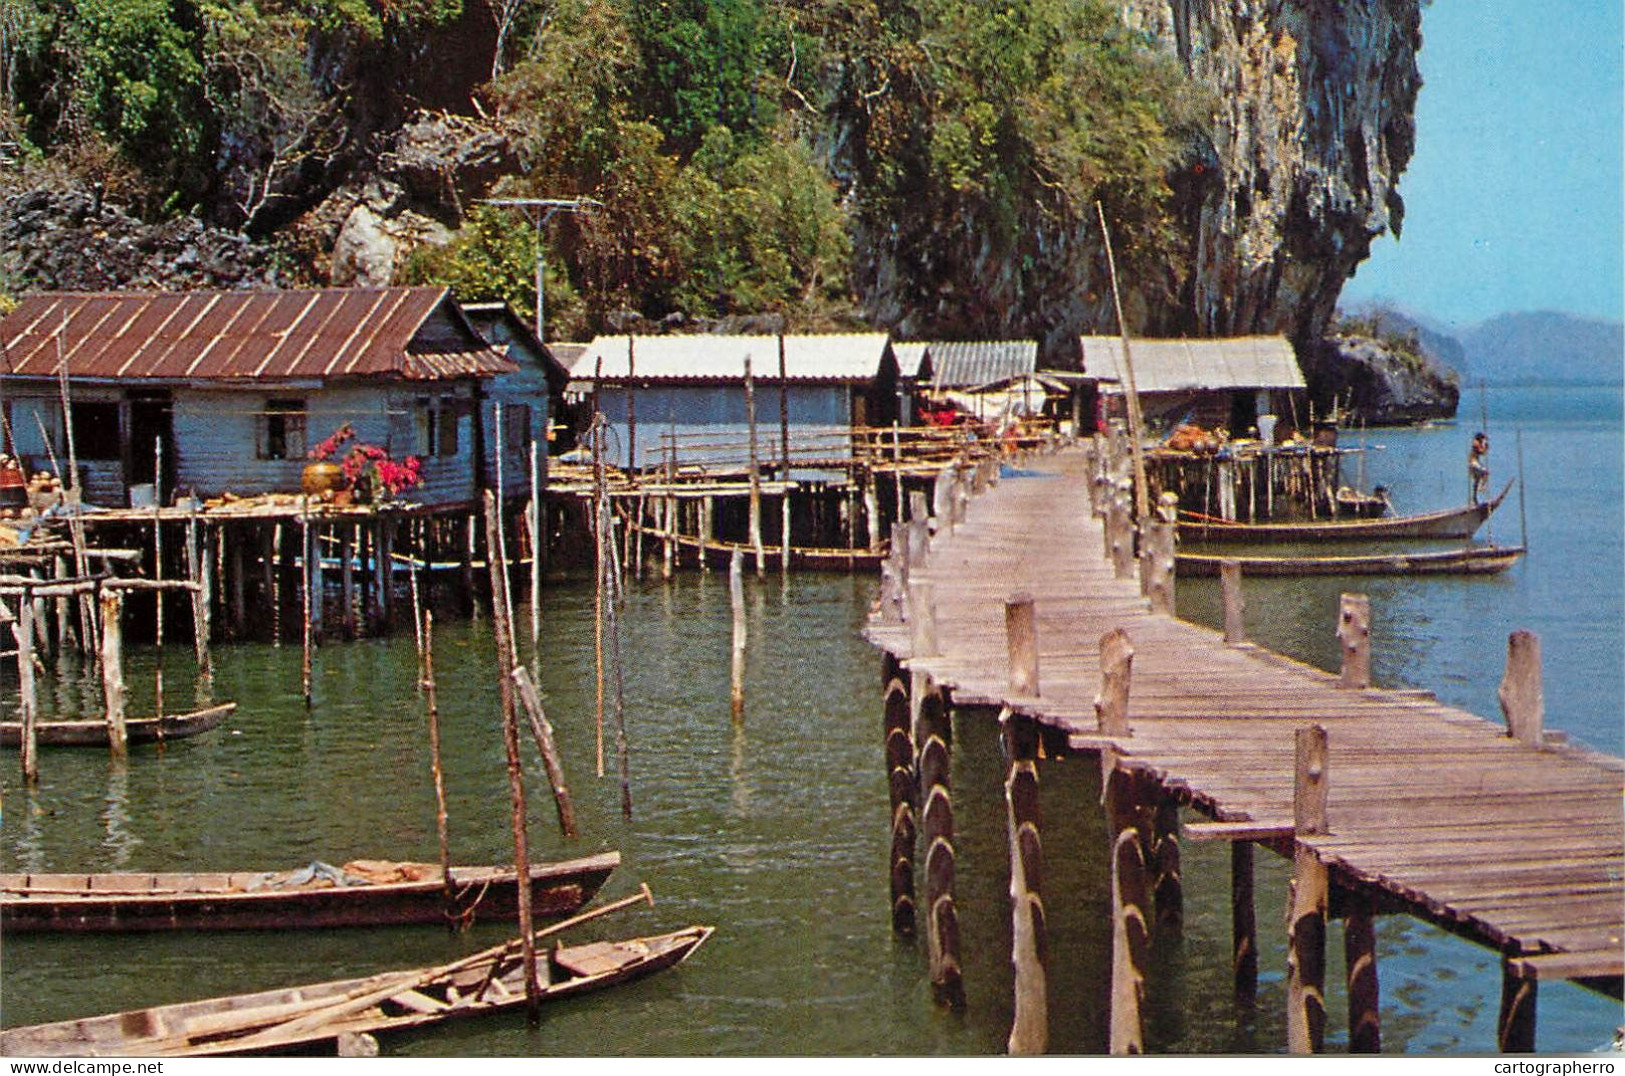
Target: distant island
[[1543, 347]]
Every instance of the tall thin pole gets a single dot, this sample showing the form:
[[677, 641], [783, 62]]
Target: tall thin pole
[[441, 825], [158, 575], [784, 415], [1136, 425], [538, 541]]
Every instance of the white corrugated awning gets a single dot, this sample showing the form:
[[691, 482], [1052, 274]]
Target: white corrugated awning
[[1239, 362], [843, 357]]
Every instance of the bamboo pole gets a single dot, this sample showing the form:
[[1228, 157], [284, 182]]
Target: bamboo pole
[[601, 565], [441, 825], [198, 570], [500, 550], [736, 600], [419, 631], [538, 535], [307, 546], [112, 643], [158, 575], [542, 731], [617, 670], [22, 630], [510, 743], [755, 471], [1136, 422]]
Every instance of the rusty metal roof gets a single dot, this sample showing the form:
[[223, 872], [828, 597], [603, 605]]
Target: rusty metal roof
[[1240, 362], [327, 333]]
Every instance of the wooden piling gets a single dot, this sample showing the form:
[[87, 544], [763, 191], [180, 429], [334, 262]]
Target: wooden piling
[[307, 546], [901, 781], [1131, 921], [1243, 925], [22, 631], [273, 582], [347, 549], [112, 642], [1029, 1029], [542, 731], [1167, 878], [784, 532], [1021, 639], [199, 567], [1120, 531], [1360, 961], [441, 825], [1354, 634], [1116, 671], [1515, 1027], [736, 601], [510, 743], [1306, 943], [1521, 693], [922, 611], [1157, 566], [934, 734], [1235, 627]]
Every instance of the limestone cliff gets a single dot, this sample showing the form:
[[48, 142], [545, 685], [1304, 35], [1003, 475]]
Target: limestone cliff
[[1278, 201]]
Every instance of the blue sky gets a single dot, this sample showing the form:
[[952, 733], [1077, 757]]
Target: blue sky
[[1513, 199]]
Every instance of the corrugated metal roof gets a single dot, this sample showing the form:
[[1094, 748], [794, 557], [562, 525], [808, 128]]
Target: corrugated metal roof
[[849, 357], [1240, 362], [242, 335], [910, 356], [969, 364]]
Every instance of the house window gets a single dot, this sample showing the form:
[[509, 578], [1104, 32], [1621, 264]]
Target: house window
[[436, 433], [516, 429], [95, 430], [281, 433]]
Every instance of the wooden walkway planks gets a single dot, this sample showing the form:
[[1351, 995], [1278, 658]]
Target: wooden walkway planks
[[1521, 848]]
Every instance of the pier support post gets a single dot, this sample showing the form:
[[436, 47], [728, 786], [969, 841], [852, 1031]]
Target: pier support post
[[1029, 1030], [1515, 1030], [1021, 637], [1116, 670], [1354, 633], [1120, 531], [1167, 880], [900, 776], [934, 734], [1243, 925], [1131, 921], [1235, 627], [1306, 943], [1523, 702], [922, 611], [1157, 566], [113, 668], [1360, 960], [736, 600]]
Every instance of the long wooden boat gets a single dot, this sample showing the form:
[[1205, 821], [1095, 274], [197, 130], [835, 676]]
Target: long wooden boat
[[1446, 523], [1477, 560], [305, 1018], [137, 729], [362, 893]]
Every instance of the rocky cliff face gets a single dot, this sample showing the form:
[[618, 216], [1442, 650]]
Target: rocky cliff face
[[1380, 385], [1313, 126]]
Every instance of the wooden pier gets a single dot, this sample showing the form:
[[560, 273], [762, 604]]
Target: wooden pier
[[1386, 801]]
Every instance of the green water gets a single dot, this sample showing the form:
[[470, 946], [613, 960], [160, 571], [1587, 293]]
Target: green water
[[774, 829]]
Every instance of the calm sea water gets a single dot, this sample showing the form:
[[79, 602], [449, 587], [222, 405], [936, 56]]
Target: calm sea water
[[775, 828]]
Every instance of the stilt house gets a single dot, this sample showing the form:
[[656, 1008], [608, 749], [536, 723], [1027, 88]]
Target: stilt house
[[229, 391], [1225, 382], [810, 391]]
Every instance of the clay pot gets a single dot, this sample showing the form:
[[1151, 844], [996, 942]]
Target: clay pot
[[322, 477]]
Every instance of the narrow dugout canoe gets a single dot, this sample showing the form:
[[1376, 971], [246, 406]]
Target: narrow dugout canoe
[[1482, 560], [137, 729], [309, 1018], [383, 893]]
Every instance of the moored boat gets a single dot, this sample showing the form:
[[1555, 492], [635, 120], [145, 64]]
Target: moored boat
[[362, 893], [1475, 560], [1446, 523], [306, 1018], [136, 729]]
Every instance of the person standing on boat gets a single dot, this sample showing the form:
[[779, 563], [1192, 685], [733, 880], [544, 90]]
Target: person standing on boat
[[1478, 472]]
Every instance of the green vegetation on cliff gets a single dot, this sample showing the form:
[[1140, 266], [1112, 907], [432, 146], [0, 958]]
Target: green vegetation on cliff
[[739, 148]]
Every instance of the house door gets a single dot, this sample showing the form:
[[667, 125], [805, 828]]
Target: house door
[[152, 422]]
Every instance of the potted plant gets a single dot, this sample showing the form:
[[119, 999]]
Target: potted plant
[[366, 473], [323, 476]]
